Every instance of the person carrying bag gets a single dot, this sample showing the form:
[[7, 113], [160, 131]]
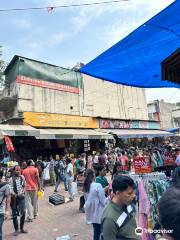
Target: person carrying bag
[[17, 189]]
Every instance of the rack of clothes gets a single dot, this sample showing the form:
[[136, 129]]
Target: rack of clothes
[[149, 189]]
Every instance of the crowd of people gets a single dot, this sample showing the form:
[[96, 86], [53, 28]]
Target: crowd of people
[[113, 215], [20, 185], [106, 200]]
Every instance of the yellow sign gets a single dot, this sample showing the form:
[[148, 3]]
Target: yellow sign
[[58, 120]]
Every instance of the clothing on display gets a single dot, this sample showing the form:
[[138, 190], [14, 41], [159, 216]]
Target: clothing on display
[[149, 189]]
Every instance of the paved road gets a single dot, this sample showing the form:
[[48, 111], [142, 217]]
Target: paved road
[[53, 221]]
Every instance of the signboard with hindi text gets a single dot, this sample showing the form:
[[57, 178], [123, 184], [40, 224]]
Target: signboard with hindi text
[[58, 120], [142, 164]]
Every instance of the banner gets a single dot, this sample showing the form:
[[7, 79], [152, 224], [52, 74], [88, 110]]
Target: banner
[[128, 124], [45, 84], [59, 120], [35, 73], [142, 164], [169, 160]]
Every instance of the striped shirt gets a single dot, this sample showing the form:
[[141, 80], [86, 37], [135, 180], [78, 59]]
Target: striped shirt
[[20, 184]]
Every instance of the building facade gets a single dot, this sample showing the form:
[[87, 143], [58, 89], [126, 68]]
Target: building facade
[[162, 111], [176, 118], [37, 87]]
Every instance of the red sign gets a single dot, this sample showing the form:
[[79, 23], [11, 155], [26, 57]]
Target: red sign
[[142, 164], [169, 160], [9, 144], [44, 84]]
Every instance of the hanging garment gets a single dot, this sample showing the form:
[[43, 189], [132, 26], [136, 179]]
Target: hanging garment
[[153, 201], [144, 207]]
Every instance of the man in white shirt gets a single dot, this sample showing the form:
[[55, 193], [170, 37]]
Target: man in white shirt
[[70, 178]]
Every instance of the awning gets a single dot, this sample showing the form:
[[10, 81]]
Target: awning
[[18, 130], [173, 130], [138, 133], [136, 59], [72, 134]]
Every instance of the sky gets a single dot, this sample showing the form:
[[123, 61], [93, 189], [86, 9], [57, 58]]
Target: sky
[[66, 36]]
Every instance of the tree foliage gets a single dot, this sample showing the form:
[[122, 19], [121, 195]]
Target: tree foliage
[[2, 66]]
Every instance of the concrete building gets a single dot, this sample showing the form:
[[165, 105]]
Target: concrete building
[[163, 112], [33, 86], [109, 100], [176, 118]]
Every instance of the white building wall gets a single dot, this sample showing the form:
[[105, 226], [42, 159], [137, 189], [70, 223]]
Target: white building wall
[[97, 99], [176, 118], [37, 99], [109, 100], [166, 114], [176, 113]]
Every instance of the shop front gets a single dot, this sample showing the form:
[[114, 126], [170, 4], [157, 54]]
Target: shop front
[[51, 134], [73, 134], [134, 132]]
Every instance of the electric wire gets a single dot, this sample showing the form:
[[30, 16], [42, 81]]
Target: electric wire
[[62, 6]]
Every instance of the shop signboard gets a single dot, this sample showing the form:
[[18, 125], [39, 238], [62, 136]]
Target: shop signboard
[[169, 160], [128, 124], [44, 84], [40, 74], [143, 124], [59, 120], [134, 124], [142, 164], [154, 125]]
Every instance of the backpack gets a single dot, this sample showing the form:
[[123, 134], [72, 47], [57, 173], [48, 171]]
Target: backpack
[[59, 167]]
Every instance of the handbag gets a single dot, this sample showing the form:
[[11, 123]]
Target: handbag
[[20, 197], [40, 194]]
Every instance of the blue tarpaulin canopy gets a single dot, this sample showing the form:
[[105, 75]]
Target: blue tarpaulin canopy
[[136, 59], [173, 130]]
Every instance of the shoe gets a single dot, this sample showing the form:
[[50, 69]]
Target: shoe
[[82, 210], [29, 220], [16, 233], [23, 231], [55, 190], [66, 190]]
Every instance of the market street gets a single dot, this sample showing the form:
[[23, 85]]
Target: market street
[[90, 120], [53, 221]]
